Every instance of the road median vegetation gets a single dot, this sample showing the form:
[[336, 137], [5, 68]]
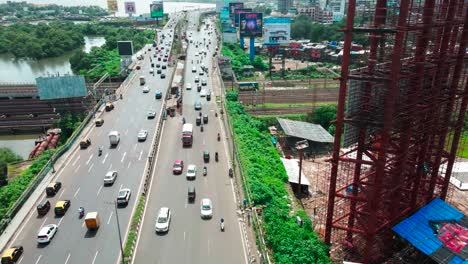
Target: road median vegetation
[[266, 180]]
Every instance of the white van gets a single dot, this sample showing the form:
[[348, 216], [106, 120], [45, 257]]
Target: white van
[[194, 69], [197, 79], [188, 86]]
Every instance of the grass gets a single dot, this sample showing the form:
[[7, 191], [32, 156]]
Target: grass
[[132, 234], [462, 149], [275, 105]]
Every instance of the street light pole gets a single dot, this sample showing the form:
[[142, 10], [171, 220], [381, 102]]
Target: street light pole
[[120, 236], [300, 146]]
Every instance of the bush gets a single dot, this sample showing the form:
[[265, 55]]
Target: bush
[[266, 178], [11, 192]]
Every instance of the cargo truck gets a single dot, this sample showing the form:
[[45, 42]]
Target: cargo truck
[[114, 138], [187, 135], [92, 221]]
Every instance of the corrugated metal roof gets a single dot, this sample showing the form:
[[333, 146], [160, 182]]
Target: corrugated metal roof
[[292, 169], [305, 130], [417, 230]]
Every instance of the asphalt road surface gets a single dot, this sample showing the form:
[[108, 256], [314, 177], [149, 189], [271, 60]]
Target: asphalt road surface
[[191, 239], [82, 181]]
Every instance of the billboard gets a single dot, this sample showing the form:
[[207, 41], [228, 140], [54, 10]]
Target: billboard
[[156, 9], [125, 48], [112, 5], [276, 30], [130, 8], [236, 14], [234, 6], [229, 37], [251, 24], [61, 87]]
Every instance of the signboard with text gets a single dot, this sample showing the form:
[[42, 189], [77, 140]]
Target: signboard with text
[[237, 12], [276, 30], [112, 5], [130, 8], [251, 24], [234, 6], [156, 9]]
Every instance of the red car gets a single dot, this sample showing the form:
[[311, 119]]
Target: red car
[[178, 167]]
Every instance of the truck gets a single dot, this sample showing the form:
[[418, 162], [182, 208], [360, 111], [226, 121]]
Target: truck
[[92, 221], [187, 134], [114, 138], [142, 80]]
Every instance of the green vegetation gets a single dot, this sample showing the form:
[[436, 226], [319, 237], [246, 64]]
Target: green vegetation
[[26, 12], [6, 156], [95, 64], [263, 9], [68, 124], [132, 234], [323, 116], [11, 192], [304, 73], [40, 41], [304, 28], [266, 178], [239, 58]]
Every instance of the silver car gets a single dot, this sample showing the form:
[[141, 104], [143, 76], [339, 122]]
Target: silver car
[[110, 177], [142, 135]]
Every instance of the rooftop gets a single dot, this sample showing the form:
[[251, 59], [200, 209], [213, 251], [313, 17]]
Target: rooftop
[[305, 130]]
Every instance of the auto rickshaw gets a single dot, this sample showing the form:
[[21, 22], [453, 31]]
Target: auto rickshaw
[[84, 143], [99, 122], [206, 156], [109, 106]]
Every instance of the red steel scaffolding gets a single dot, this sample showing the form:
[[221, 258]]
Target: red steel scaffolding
[[399, 121]]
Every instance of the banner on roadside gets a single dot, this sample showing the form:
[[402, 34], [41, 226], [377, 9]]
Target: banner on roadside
[[130, 8], [112, 5]]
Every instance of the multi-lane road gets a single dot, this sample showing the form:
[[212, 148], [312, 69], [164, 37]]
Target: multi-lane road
[[190, 238], [82, 178]]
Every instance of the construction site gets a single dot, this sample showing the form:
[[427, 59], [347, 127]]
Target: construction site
[[400, 123]]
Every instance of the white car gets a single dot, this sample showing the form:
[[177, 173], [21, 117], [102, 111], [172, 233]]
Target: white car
[[206, 208], [146, 89], [203, 82], [203, 93], [196, 54], [151, 71], [197, 79], [110, 177], [151, 114], [188, 86], [142, 135], [191, 172], [163, 220], [47, 233], [123, 197]]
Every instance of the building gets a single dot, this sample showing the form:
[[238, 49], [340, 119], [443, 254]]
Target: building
[[337, 7], [317, 14], [284, 6]]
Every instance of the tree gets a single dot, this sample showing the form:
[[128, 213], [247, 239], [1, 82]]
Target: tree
[[323, 116], [3, 173]]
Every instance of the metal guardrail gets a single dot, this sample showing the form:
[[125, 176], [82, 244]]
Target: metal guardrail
[[43, 172]]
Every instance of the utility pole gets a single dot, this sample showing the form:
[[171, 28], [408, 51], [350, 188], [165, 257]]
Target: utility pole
[[300, 146]]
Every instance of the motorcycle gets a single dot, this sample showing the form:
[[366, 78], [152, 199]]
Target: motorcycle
[[230, 172], [222, 225], [219, 137], [100, 151], [216, 156], [205, 171], [81, 212], [201, 128]]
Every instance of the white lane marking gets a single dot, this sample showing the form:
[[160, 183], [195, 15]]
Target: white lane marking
[[135, 146], [243, 241], [20, 260], [123, 157], [121, 185], [141, 153], [61, 219], [90, 167], [184, 235], [66, 261], [95, 256], [126, 131], [100, 188], [76, 170], [73, 164], [233, 192], [39, 258], [76, 192], [118, 148], [110, 216], [90, 157], [130, 163], [105, 157], [61, 193], [208, 246], [99, 133], [110, 167], [83, 225], [43, 222]]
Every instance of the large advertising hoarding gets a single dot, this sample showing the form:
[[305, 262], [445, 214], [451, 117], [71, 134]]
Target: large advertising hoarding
[[61, 87], [156, 9], [129, 7], [251, 24], [234, 6], [125, 48], [276, 30], [112, 5], [237, 12], [229, 37]]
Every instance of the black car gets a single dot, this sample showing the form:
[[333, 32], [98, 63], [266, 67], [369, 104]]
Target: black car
[[163, 76], [206, 156], [53, 188], [43, 207], [159, 71]]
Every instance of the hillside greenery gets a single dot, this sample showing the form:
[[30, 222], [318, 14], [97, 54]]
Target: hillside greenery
[[239, 58], [6, 156], [267, 179], [26, 11]]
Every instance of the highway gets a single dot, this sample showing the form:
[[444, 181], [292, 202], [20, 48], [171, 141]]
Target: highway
[[191, 239], [82, 180]]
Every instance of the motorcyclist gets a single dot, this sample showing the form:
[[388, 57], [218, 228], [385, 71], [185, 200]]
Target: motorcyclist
[[100, 150], [219, 137], [81, 211], [222, 224], [183, 120], [205, 170], [216, 156], [230, 172]]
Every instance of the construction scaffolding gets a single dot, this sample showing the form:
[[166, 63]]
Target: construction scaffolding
[[400, 117]]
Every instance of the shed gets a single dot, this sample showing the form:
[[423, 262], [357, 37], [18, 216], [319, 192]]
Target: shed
[[292, 170], [320, 141]]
